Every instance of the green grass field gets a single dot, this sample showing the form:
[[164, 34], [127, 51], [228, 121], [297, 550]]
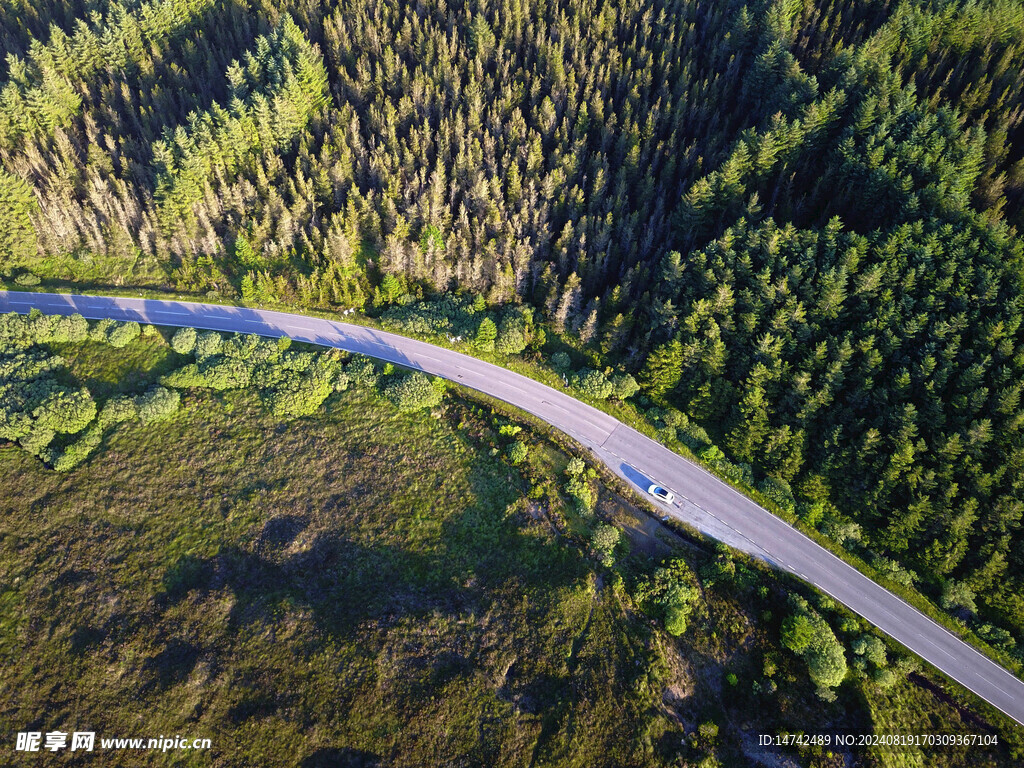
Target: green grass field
[[369, 588], [363, 579]]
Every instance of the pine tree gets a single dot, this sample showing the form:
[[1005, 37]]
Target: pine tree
[[17, 233], [486, 333], [663, 368]]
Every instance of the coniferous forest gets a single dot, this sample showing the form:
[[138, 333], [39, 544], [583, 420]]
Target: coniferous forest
[[797, 222]]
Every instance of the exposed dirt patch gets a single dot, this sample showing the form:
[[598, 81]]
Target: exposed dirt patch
[[681, 685], [646, 533]]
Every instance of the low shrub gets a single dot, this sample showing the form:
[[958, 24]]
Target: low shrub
[[413, 392]]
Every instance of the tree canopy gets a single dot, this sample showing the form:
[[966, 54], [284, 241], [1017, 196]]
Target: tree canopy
[[797, 223]]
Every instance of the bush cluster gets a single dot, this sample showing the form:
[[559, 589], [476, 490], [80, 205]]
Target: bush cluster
[[809, 636], [413, 391], [291, 384], [671, 593], [63, 425], [507, 330], [579, 485]]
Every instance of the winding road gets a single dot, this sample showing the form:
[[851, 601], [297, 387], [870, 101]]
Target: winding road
[[702, 500]]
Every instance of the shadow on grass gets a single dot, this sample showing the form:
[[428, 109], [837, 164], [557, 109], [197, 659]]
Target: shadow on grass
[[282, 531], [344, 582], [479, 555], [173, 664], [341, 581]]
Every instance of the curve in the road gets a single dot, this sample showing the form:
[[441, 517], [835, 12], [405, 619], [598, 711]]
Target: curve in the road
[[703, 500]]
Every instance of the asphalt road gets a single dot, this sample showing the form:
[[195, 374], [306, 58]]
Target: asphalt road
[[702, 500]]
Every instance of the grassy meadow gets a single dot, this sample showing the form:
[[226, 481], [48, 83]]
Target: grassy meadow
[[366, 587]]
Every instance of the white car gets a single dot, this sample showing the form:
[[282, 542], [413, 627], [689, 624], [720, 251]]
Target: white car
[[661, 493]]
